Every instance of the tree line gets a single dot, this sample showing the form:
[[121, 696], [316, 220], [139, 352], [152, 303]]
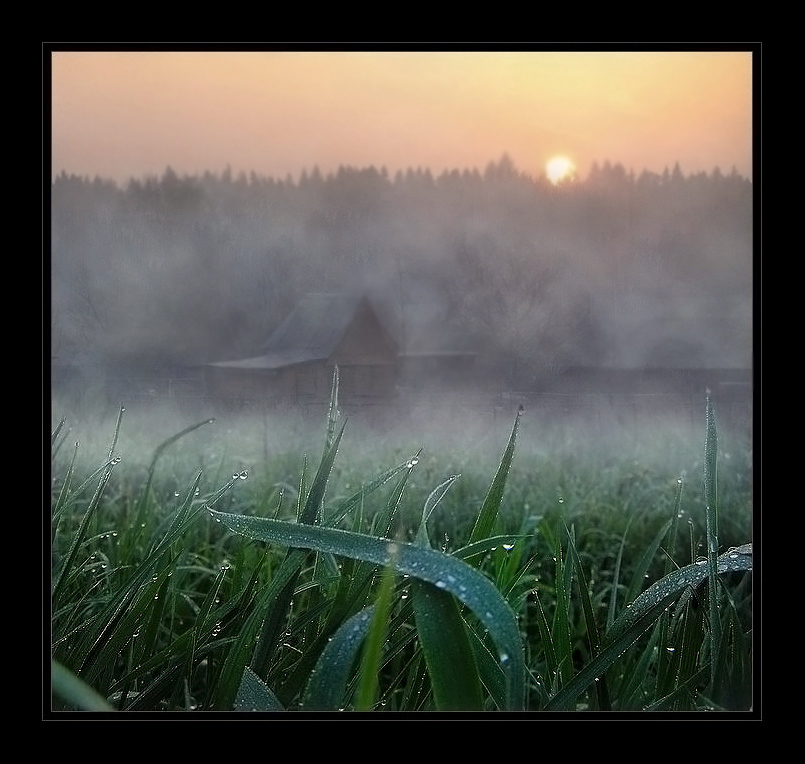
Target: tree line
[[615, 268]]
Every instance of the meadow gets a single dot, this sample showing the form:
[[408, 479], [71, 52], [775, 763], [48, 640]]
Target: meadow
[[318, 566]]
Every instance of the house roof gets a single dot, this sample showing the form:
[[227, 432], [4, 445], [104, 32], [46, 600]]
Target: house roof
[[311, 332]]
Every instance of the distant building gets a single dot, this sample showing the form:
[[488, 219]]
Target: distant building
[[296, 362]]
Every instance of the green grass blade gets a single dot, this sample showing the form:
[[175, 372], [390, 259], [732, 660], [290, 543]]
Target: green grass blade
[[73, 691], [383, 521], [561, 618], [366, 695], [629, 693], [448, 654], [711, 506], [485, 522], [639, 616], [436, 495], [100, 661], [546, 636], [80, 534], [310, 514], [480, 547], [93, 640], [158, 452], [333, 413], [490, 672], [254, 694], [613, 600], [445, 571], [643, 564], [589, 619], [328, 681]]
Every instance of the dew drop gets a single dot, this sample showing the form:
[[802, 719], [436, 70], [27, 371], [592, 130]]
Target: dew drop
[[441, 584]]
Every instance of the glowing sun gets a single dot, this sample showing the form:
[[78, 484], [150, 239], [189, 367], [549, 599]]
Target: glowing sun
[[559, 168]]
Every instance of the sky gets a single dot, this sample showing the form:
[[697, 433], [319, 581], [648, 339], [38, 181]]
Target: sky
[[131, 113]]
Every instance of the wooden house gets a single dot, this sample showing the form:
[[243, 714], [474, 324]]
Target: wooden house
[[295, 365]]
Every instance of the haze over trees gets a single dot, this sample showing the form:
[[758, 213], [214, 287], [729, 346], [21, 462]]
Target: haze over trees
[[617, 269]]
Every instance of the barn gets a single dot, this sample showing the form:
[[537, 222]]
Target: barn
[[296, 362]]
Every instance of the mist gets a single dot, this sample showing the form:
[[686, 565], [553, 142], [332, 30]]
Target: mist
[[616, 271]]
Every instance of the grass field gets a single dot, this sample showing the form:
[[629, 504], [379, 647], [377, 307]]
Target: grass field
[[248, 564]]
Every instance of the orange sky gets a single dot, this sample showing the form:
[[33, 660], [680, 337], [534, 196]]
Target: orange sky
[[123, 114]]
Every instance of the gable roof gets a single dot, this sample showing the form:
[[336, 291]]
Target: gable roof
[[311, 332]]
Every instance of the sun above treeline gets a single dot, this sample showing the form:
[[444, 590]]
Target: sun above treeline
[[560, 168]]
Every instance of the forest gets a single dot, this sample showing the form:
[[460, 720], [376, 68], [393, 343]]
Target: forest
[[616, 269]]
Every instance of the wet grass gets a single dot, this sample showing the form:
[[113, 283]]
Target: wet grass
[[201, 570]]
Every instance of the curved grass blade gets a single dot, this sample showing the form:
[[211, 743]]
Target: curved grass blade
[[67, 686], [436, 495], [254, 694], [641, 613], [448, 654], [158, 451], [480, 547], [328, 681], [471, 587]]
